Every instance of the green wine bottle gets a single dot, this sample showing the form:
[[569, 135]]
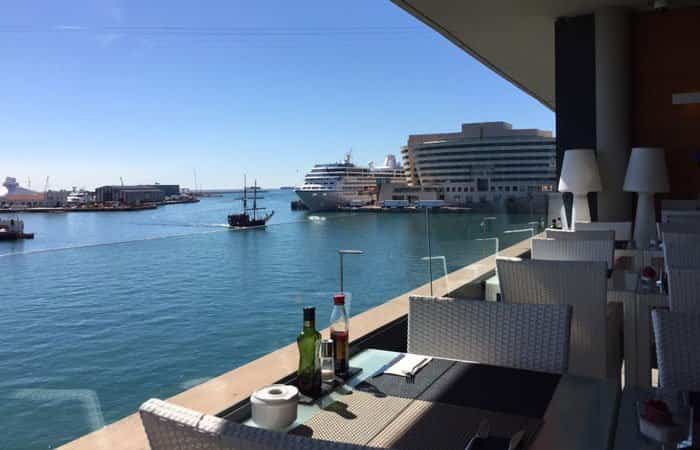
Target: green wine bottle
[[309, 342]]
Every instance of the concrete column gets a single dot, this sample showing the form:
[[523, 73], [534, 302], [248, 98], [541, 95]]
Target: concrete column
[[613, 110]]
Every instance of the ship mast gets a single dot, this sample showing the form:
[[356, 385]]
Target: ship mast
[[255, 197], [245, 195]]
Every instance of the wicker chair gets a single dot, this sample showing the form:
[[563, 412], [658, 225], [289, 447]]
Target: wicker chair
[[596, 349], [684, 290], [679, 228], [172, 427], [681, 250], [574, 250], [680, 216], [534, 337], [680, 205], [580, 235], [622, 231], [677, 341]]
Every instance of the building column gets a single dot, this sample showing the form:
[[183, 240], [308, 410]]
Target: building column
[[613, 111]]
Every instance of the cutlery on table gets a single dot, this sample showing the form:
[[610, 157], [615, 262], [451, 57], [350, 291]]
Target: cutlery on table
[[481, 433], [516, 439]]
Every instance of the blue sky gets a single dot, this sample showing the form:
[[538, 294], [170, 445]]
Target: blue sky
[[92, 90]]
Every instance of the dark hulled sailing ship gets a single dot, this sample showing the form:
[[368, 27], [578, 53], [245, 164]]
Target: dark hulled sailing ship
[[249, 217]]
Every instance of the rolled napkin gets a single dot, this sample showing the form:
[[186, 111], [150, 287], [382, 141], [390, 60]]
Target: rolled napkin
[[275, 407]]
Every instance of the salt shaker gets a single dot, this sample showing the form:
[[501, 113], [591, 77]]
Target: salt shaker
[[327, 361]]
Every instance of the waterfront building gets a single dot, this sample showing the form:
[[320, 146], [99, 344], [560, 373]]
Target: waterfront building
[[400, 194], [55, 199], [18, 196], [483, 162], [137, 194]]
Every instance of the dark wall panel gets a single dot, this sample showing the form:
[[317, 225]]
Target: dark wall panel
[[575, 89], [666, 61]]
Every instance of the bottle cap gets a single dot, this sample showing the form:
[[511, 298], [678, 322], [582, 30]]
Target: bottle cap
[[327, 348], [310, 313], [339, 299]]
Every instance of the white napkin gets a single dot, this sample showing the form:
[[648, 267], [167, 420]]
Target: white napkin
[[408, 363]]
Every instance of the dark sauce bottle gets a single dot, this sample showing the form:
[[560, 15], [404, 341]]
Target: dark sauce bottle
[[340, 334]]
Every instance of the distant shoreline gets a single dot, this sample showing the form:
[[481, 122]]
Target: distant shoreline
[[124, 208]]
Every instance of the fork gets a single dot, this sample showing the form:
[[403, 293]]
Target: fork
[[481, 433], [516, 439]]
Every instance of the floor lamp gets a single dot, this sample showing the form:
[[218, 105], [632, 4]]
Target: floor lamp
[[646, 175], [579, 175]]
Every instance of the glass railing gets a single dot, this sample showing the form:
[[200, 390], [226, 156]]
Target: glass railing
[[105, 310], [460, 239]]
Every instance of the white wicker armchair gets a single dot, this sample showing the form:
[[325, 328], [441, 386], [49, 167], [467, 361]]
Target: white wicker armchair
[[680, 216], [680, 228], [574, 250], [534, 337], [596, 349], [580, 235], [681, 250], [677, 342], [684, 290], [622, 230], [172, 427]]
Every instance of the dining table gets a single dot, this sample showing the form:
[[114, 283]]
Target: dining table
[[638, 299], [443, 405]]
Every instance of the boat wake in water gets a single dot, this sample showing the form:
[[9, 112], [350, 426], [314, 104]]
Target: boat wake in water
[[104, 244]]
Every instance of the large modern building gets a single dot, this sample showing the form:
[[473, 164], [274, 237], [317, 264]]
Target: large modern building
[[482, 162], [138, 194]]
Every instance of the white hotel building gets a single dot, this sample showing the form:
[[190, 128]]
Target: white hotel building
[[483, 162]]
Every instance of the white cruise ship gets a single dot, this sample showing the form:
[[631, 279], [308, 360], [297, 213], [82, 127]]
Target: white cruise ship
[[330, 186]]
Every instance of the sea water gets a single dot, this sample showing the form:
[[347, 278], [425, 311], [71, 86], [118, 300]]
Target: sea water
[[102, 311]]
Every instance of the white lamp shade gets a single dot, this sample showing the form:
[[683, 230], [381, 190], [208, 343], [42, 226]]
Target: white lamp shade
[[579, 172], [646, 171]]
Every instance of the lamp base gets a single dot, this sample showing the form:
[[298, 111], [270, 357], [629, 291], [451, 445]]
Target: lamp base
[[580, 212], [645, 220]]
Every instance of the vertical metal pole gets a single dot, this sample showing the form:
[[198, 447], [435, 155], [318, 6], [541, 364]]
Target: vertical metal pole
[[342, 253], [430, 251]]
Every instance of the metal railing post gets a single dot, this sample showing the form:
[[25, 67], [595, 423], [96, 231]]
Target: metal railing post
[[342, 253]]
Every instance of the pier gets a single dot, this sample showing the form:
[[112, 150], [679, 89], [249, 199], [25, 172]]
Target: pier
[[95, 207], [45, 210], [406, 209]]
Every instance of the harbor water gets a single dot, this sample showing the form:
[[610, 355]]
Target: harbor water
[[102, 311]]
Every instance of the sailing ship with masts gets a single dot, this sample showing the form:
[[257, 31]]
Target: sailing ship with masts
[[249, 217]]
